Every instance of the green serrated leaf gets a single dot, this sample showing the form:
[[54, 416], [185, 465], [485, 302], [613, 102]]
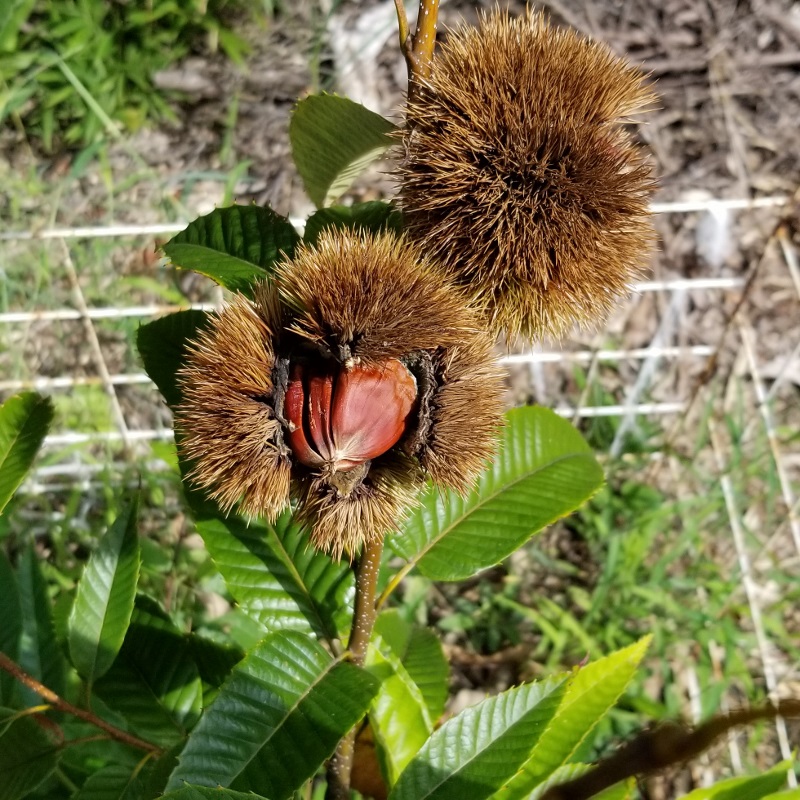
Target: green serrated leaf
[[214, 661], [754, 787], [114, 782], [544, 470], [24, 421], [422, 656], [235, 246], [474, 753], [39, 651], [189, 792], [277, 578], [154, 682], [399, 716], [11, 629], [281, 714], [162, 347], [590, 694], [333, 141], [374, 217], [104, 600], [27, 755]]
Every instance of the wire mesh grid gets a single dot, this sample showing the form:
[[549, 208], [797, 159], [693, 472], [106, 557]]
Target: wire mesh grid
[[83, 458]]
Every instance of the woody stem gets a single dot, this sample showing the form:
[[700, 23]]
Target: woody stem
[[364, 613], [418, 49], [58, 703]]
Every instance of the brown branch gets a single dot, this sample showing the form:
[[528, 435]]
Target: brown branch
[[662, 747], [364, 613], [59, 704], [424, 39], [418, 49]]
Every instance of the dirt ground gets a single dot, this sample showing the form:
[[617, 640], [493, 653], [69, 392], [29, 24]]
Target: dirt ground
[[728, 76]]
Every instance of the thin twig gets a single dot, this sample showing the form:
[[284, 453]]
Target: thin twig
[[97, 350], [402, 28], [59, 704], [364, 612]]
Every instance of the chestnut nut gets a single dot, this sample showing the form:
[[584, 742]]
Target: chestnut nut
[[341, 416]]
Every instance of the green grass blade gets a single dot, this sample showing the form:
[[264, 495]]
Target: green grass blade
[[277, 578], [543, 471], [24, 421], [281, 714], [473, 754], [235, 246], [104, 600], [333, 141]]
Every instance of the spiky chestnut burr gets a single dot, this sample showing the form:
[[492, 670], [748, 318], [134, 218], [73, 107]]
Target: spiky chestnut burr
[[519, 177], [356, 374]]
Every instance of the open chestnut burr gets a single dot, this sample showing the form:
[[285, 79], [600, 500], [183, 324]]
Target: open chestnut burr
[[346, 381]]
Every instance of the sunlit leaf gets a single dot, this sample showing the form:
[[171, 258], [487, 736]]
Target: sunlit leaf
[[591, 692], [422, 656], [104, 599], [399, 716], [277, 578], [280, 714], [333, 141], [474, 753], [24, 421], [754, 787], [544, 470], [235, 246]]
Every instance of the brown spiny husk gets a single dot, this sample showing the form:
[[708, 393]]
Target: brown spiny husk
[[376, 297], [226, 425], [519, 177], [352, 298]]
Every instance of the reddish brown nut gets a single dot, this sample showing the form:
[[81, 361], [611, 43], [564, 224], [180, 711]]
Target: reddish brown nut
[[340, 417]]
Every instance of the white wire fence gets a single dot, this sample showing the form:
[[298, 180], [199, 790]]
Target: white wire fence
[[639, 365]]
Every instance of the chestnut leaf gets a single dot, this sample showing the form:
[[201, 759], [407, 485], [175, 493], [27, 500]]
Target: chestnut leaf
[[544, 471], [333, 141], [235, 246]]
